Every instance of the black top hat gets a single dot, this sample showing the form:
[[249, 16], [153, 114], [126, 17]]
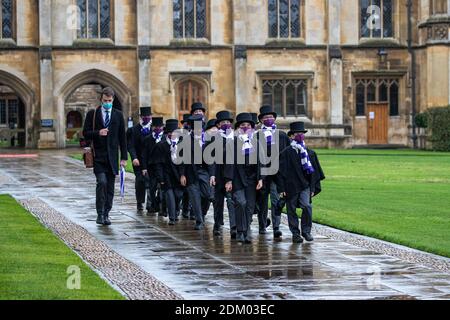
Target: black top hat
[[244, 117], [195, 118], [185, 118], [157, 122], [255, 117], [145, 111], [297, 127], [265, 110], [197, 106], [171, 125], [224, 115], [211, 124]]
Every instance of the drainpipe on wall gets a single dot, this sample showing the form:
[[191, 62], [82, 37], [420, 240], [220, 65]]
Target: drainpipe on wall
[[413, 74]]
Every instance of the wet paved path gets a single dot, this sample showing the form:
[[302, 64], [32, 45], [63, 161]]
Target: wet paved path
[[198, 266]]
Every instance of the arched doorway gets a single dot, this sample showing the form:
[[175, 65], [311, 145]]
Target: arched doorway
[[12, 119], [188, 92], [82, 93]]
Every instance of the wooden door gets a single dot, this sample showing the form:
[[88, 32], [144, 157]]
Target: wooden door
[[189, 91], [377, 126]]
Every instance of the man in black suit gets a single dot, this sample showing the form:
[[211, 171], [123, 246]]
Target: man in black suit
[[301, 175], [195, 175], [274, 141], [149, 159], [166, 171], [226, 136], [135, 141], [105, 127], [243, 176]]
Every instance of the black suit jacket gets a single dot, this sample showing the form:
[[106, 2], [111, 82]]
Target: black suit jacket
[[149, 156], [241, 175], [136, 146], [294, 179], [165, 170], [106, 149]]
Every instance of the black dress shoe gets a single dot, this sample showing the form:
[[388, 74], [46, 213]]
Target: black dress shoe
[[247, 240], [100, 219], [171, 222], [268, 223], [240, 238], [308, 237], [262, 231], [107, 221], [192, 218], [217, 231], [140, 207], [297, 239], [277, 234], [199, 226]]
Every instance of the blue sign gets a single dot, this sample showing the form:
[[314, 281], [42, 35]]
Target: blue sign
[[47, 123]]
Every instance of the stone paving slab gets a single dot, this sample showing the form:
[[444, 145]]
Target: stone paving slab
[[195, 265]]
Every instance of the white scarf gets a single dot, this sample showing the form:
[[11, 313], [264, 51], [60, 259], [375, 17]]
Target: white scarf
[[173, 148], [225, 136], [269, 132], [247, 145]]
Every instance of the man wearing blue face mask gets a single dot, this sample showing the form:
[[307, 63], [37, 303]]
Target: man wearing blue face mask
[[105, 128], [136, 137]]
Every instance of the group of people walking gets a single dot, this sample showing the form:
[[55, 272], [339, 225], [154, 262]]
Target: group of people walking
[[181, 172]]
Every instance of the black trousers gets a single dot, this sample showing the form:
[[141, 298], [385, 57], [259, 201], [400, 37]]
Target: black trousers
[[269, 188], [300, 200], [141, 187], [104, 192], [173, 197], [186, 204], [200, 195], [244, 206], [219, 195]]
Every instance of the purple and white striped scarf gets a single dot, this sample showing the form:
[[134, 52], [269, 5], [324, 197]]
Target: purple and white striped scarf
[[304, 156], [268, 133], [247, 147]]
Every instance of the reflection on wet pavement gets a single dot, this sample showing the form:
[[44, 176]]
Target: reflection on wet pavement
[[199, 266]]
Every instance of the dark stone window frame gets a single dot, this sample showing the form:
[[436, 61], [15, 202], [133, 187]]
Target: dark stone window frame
[[279, 86], [377, 91], [103, 22], [291, 9], [8, 7], [386, 31], [194, 24]]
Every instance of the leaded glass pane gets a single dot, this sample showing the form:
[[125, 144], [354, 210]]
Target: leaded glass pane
[[387, 19], [393, 106], [278, 99], [267, 94], [2, 111], [301, 100], [290, 100], [284, 18], [365, 30], [273, 18], [376, 18], [201, 19], [189, 18], [93, 19], [295, 18], [178, 18], [105, 19], [82, 31], [383, 92], [360, 100], [371, 92], [12, 111], [7, 18]]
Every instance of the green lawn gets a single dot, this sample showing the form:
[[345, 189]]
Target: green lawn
[[401, 196], [34, 262]]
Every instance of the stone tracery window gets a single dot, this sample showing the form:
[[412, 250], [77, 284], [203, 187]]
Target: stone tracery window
[[190, 18], [377, 18], [287, 96], [377, 90], [284, 18], [94, 19]]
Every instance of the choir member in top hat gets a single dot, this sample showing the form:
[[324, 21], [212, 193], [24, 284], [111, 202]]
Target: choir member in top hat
[[149, 157], [196, 177], [135, 142], [276, 141], [301, 175], [108, 136], [167, 173], [243, 176]]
